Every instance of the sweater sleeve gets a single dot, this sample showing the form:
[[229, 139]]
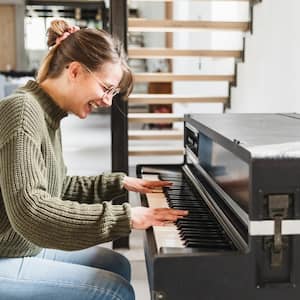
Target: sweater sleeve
[[48, 221], [93, 189]]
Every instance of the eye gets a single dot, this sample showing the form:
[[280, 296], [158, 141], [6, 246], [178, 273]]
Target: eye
[[105, 89]]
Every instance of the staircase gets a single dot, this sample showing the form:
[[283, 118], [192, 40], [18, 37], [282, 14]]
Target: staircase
[[211, 82]]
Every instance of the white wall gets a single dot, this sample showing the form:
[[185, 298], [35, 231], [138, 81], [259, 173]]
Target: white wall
[[269, 78]]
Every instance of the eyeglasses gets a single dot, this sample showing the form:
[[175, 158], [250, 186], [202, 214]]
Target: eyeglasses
[[111, 92]]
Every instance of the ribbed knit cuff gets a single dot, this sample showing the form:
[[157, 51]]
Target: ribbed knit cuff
[[122, 213], [111, 185], [121, 179]]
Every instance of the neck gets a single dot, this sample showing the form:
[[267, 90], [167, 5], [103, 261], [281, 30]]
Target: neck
[[55, 89]]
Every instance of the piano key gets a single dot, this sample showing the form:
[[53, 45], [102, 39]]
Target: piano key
[[197, 230], [187, 231], [211, 247], [168, 235], [179, 192]]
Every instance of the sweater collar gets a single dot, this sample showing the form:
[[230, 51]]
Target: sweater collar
[[53, 113]]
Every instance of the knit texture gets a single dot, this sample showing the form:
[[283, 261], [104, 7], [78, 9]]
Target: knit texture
[[40, 206]]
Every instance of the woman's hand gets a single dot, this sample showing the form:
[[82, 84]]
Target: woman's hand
[[142, 185], [144, 217]]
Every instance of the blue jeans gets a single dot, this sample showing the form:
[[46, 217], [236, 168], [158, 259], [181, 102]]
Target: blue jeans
[[94, 273]]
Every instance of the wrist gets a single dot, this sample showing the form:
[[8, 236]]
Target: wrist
[[131, 223], [124, 181]]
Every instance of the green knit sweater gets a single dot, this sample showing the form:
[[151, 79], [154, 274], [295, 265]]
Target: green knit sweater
[[40, 206]]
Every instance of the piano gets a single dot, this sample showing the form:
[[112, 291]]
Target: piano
[[240, 181]]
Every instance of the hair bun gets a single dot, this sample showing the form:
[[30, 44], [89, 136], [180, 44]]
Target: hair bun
[[57, 29]]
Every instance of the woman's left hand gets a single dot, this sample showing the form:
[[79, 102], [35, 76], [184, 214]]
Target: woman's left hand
[[142, 185]]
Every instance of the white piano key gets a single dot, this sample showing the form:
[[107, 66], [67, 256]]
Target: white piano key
[[168, 235]]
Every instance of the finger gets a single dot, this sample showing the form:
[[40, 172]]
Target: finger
[[158, 223], [145, 190], [158, 183], [171, 218], [167, 217], [179, 212], [157, 190]]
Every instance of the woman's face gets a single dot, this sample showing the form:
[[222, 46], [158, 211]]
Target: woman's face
[[90, 90]]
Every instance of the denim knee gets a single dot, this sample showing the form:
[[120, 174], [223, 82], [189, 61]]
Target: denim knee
[[123, 265], [116, 288], [128, 291]]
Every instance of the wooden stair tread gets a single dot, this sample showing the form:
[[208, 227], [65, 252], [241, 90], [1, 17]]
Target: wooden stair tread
[[139, 24], [155, 134], [155, 117], [169, 77], [146, 151], [169, 99], [171, 53]]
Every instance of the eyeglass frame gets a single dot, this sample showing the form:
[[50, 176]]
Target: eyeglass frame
[[106, 91]]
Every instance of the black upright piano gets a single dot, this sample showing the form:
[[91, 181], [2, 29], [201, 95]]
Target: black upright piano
[[240, 181]]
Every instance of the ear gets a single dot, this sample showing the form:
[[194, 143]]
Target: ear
[[75, 71]]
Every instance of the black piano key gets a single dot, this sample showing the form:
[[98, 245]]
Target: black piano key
[[187, 233], [178, 189], [168, 176], [205, 223], [176, 184], [199, 230], [200, 237], [192, 226], [204, 241], [172, 190], [180, 193], [183, 199], [191, 208], [197, 218], [209, 247]]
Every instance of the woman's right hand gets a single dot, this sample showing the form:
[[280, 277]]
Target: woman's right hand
[[144, 217]]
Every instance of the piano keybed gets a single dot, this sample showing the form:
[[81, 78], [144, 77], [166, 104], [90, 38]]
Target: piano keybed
[[199, 230]]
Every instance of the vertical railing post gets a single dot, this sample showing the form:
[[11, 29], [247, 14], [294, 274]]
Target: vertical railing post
[[119, 109]]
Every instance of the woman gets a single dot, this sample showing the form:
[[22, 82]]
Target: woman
[[50, 223]]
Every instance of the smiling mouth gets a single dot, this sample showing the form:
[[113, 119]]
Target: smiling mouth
[[93, 105]]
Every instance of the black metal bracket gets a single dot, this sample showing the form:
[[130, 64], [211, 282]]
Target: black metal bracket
[[278, 206]]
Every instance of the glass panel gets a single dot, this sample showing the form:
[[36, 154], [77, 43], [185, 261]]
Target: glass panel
[[230, 172]]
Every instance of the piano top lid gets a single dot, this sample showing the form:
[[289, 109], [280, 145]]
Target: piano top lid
[[262, 135]]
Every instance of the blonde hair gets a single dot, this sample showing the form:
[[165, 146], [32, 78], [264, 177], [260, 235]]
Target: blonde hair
[[90, 47]]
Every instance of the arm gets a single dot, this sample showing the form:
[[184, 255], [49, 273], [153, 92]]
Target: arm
[[93, 189], [45, 220]]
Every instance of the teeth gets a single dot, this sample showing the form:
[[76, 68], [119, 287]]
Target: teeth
[[93, 104]]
